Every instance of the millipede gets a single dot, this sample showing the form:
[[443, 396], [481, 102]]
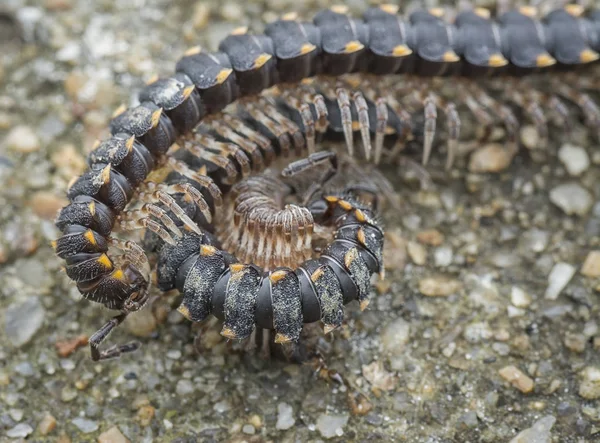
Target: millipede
[[220, 230]]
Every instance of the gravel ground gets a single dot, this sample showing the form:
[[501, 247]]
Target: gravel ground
[[485, 329]]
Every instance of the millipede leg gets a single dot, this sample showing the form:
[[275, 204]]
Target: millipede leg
[[321, 109], [362, 109], [205, 147], [266, 151], [453, 121], [133, 253], [343, 101], [130, 220], [290, 127], [561, 111], [101, 334], [311, 162], [203, 180], [281, 135], [309, 125], [382, 118], [430, 111]]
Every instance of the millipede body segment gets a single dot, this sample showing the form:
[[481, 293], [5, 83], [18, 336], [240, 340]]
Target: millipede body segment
[[229, 114]]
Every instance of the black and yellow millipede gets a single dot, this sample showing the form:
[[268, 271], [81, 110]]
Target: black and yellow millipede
[[226, 115]]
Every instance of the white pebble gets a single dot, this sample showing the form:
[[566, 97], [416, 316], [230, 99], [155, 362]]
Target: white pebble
[[538, 433], [519, 298], [559, 277], [332, 425], [572, 198], [575, 159], [285, 417]]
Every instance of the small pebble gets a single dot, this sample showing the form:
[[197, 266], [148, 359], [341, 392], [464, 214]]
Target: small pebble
[[285, 417], [378, 376], [559, 277], [591, 265], [538, 433], [23, 320], [248, 429], [530, 136], [575, 342], [442, 256], [517, 378], [85, 425], [200, 15], [332, 425], [395, 336], [47, 424], [184, 387], [46, 204], [431, 237], [575, 159], [143, 325], [519, 298], [417, 253], [23, 139], [490, 158], [145, 415], [572, 198], [113, 435], [21, 430], [589, 388], [439, 286]]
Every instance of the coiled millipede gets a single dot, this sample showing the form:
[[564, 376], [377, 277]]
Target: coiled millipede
[[227, 115]]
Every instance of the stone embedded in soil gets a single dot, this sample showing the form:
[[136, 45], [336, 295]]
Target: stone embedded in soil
[[591, 265], [395, 336], [440, 286], [21, 430], [589, 388], [575, 159], [332, 425], [85, 425], [417, 253], [431, 237], [285, 417], [47, 424], [575, 342], [378, 377], [559, 277], [572, 198], [23, 139], [519, 298], [517, 378], [113, 435], [47, 204], [490, 158], [538, 433], [23, 320]]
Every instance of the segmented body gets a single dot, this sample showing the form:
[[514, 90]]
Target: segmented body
[[184, 124]]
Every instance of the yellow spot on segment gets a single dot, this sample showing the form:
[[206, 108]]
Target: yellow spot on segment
[[53, 243], [207, 250], [289, 16], [482, 12], [236, 267], [363, 304], [529, 11], [261, 60], [317, 275], [360, 216], [450, 57], [350, 256], [152, 79], [118, 275], [497, 60], [156, 117], [401, 51], [306, 48], [353, 46], [331, 199], [89, 236], [104, 261], [389, 8], [121, 109], [240, 31], [360, 236], [193, 51], [346, 206], [129, 143], [355, 126], [223, 75], [282, 338], [106, 174], [228, 333], [203, 170], [92, 208], [307, 81], [437, 12], [185, 312], [328, 328], [277, 276], [339, 9], [574, 10], [188, 91], [588, 56], [544, 60]]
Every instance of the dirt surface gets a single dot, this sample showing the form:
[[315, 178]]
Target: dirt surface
[[486, 325]]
